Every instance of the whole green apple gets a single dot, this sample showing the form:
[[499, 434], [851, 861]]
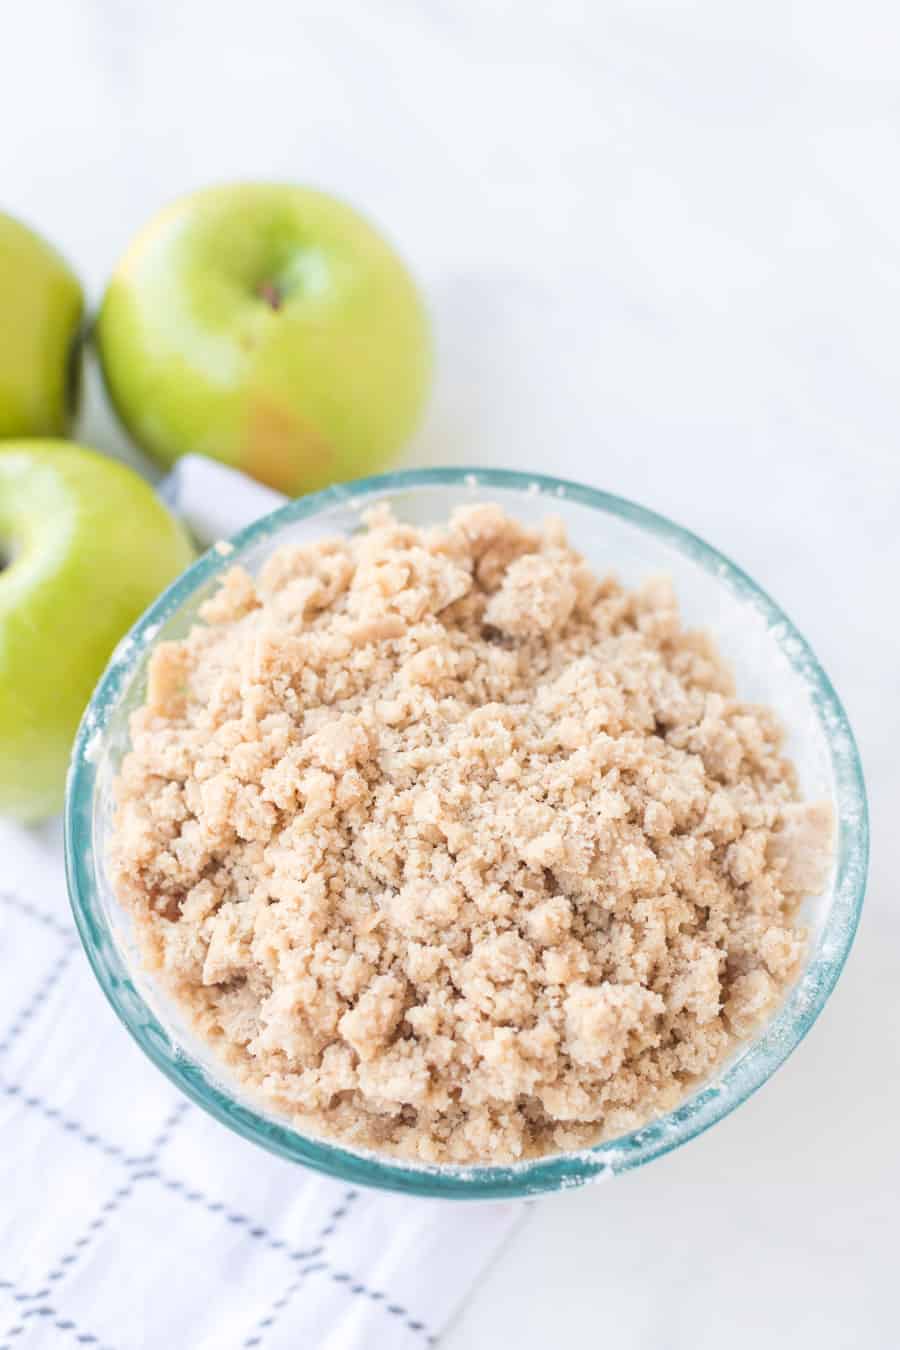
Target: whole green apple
[[85, 545], [41, 309], [270, 327]]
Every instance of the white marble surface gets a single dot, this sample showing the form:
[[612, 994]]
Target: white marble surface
[[660, 242]]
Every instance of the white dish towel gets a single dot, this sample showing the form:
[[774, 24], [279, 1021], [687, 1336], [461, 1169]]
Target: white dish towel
[[130, 1220]]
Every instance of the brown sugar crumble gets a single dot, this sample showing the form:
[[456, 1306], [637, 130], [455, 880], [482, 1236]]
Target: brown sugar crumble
[[455, 850]]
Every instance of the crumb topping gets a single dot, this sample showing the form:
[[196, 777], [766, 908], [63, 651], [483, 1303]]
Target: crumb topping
[[456, 850]]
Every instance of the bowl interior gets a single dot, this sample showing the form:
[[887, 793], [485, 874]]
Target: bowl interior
[[771, 662]]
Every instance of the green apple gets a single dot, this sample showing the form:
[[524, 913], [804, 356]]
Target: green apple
[[85, 545], [41, 310], [270, 327]]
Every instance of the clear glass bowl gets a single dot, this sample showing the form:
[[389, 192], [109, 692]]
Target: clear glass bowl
[[772, 664]]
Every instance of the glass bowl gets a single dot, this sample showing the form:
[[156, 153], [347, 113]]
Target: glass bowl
[[772, 664]]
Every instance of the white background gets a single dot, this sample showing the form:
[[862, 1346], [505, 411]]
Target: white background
[[661, 245]]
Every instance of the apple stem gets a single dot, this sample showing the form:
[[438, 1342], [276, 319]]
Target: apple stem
[[268, 291]]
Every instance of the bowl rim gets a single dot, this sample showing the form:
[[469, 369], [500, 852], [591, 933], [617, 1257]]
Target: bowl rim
[[709, 1103]]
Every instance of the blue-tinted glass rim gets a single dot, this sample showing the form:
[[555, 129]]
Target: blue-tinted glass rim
[[697, 1113]]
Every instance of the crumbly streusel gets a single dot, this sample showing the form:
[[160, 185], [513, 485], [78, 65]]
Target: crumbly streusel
[[455, 850]]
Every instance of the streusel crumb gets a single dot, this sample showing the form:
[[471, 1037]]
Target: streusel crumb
[[457, 851]]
